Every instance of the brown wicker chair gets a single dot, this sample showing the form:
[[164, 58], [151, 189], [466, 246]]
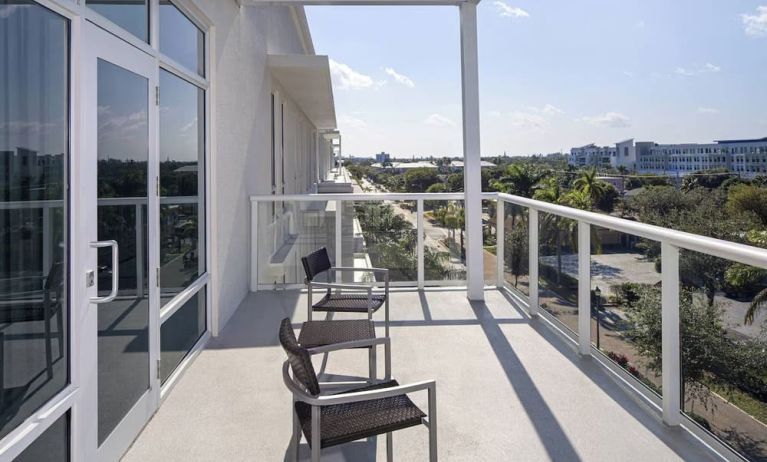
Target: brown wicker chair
[[348, 298], [331, 419]]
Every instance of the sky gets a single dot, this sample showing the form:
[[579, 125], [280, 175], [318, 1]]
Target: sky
[[553, 74]]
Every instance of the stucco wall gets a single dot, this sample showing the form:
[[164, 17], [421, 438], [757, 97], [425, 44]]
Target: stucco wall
[[241, 126]]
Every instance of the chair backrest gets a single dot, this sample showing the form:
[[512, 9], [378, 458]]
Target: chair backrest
[[315, 263], [299, 359]]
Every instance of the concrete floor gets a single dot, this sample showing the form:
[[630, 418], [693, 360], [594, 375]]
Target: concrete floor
[[508, 388]]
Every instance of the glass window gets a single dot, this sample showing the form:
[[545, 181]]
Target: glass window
[[182, 184], [34, 153], [180, 332], [180, 39], [51, 446], [131, 15]]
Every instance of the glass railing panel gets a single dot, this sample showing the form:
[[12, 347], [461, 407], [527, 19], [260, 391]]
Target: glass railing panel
[[288, 231], [444, 241], [382, 234], [723, 348], [558, 268], [490, 241], [626, 302], [516, 250]]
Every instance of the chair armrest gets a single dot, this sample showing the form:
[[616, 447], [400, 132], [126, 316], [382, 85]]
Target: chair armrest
[[336, 285], [350, 345], [355, 397]]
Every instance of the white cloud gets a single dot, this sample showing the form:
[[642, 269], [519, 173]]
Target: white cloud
[[528, 120], [438, 120], [756, 25], [708, 110], [707, 68], [400, 78], [548, 109], [344, 77], [639, 24], [495, 113], [628, 74], [350, 122], [508, 11], [608, 119]]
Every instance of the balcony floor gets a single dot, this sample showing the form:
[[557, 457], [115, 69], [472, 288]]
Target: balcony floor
[[507, 388]]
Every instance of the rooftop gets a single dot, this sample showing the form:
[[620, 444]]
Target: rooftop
[[506, 385]]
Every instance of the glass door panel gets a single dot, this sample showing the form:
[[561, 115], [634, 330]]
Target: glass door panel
[[123, 324]]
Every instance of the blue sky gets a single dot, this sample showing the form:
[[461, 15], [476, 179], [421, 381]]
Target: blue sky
[[552, 74]]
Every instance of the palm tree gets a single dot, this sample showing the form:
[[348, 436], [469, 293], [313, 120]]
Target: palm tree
[[520, 180], [759, 302], [588, 183]]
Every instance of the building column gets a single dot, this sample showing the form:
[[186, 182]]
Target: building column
[[472, 175]]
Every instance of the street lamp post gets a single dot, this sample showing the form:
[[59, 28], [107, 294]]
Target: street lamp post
[[598, 297]]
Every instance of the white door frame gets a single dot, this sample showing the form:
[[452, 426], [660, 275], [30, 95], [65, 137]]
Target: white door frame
[[97, 43]]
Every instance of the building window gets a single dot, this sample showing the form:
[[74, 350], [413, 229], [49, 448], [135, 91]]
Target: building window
[[182, 184], [180, 39], [131, 15], [34, 247]]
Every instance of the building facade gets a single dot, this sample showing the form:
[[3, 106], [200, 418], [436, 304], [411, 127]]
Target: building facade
[[130, 134], [747, 157]]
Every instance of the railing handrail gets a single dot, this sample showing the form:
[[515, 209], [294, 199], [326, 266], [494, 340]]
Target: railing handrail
[[357, 197], [742, 253]]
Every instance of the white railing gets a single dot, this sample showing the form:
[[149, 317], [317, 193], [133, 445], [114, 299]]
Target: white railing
[[671, 242]]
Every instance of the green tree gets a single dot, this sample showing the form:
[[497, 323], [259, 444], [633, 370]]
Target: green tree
[[520, 180], [596, 189], [419, 179], [454, 182], [437, 188], [744, 198]]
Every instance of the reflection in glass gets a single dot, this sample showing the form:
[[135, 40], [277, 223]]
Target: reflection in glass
[[558, 268], [516, 251], [34, 127], [131, 15], [180, 332], [123, 150], [182, 183], [51, 446], [180, 39], [625, 301]]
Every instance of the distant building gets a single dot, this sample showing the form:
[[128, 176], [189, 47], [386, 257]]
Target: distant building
[[383, 157], [457, 165], [747, 157], [401, 167]]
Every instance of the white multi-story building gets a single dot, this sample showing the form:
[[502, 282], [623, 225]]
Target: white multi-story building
[[623, 154], [747, 157]]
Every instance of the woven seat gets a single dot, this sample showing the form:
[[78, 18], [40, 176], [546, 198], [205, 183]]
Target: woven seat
[[349, 303], [319, 333], [343, 423]]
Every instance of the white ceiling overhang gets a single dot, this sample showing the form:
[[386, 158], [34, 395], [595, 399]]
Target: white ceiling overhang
[[306, 79]]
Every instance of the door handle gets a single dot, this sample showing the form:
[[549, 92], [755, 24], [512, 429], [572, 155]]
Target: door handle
[[115, 270]]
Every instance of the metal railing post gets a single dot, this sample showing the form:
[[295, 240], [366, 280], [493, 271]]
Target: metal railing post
[[339, 235], [500, 238], [253, 246], [533, 263], [420, 242], [584, 288], [671, 371]]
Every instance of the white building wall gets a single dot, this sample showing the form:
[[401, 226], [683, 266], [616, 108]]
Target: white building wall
[[241, 134]]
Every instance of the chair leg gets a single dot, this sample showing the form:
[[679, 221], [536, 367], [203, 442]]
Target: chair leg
[[316, 434], [48, 343], [60, 327], [372, 365], [386, 313], [295, 442], [389, 447], [433, 424]]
